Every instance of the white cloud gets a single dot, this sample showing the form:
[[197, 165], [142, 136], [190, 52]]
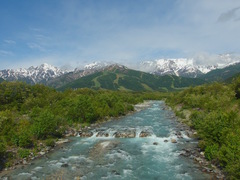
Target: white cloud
[[36, 46], [6, 53], [152, 30], [8, 41]]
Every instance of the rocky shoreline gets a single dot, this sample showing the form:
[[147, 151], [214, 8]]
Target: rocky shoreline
[[196, 153], [45, 150]]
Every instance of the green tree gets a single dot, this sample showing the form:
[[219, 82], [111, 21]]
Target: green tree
[[44, 125]]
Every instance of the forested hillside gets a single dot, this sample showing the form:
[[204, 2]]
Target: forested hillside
[[122, 78], [33, 114], [1, 80], [222, 74], [213, 110]]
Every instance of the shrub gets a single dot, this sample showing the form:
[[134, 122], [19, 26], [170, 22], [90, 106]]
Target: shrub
[[50, 142], [23, 153]]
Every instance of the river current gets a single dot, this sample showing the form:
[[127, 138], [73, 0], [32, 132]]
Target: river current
[[153, 157]]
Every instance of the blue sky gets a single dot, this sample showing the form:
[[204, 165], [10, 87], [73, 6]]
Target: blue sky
[[76, 32]]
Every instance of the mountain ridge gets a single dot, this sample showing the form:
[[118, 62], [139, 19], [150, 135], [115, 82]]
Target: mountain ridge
[[116, 77], [186, 67], [32, 75], [182, 67]]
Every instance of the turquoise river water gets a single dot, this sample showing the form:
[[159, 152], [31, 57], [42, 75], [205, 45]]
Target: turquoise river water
[[121, 158]]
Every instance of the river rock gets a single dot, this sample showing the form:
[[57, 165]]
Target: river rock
[[64, 165], [165, 140], [155, 143], [144, 134], [173, 141], [24, 162], [86, 134], [42, 153], [125, 134], [102, 134], [61, 141], [179, 134]]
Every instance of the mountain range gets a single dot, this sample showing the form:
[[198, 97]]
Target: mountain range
[[186, 67], [112, 76], [118, 77], [32, 75]]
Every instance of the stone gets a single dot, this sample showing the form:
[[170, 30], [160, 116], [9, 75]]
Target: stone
[[64, 165], [42, 153], [115, 172], [179, 134], [86, 134], [144, 134], [155, 143], [165, 140], [125, 134], [61, 141], [102, 134], [24, 162], [173, 140]]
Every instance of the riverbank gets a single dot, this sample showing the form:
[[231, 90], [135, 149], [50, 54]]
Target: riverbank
[[45, 150], [195, 153]]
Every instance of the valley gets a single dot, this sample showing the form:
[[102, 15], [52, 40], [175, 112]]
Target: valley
[[119, 90], [35, 117]]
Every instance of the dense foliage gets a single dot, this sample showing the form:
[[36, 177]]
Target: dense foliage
[[33, 114], [213, 110]]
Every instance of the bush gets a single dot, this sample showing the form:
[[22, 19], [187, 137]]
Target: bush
[[23, 153], [2, 149], [50, 142], [44, 125]]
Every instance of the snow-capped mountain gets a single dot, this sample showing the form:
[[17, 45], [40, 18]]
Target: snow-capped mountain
[[32, 75], [46, 73], [178, 67], [186, 67], [96, 65], [91, 68]]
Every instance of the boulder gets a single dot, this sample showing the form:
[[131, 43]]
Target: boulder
[[155, 143], [102, 134], [144, 134], [61, 141], [42, 153], [165, 140], [86, 134], [173, 141], [64, 165], [179, 134], [125, 134]]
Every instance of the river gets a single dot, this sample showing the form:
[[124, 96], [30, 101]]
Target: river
[[153, 157]]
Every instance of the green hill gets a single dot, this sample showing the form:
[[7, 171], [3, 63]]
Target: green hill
[[232, 78], [122, 78], [222, 74], [1, 80]]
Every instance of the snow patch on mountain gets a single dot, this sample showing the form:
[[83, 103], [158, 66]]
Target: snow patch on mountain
[[186, 67], [32, 74]]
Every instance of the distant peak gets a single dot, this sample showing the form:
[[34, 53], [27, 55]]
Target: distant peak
[[47, 66]]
